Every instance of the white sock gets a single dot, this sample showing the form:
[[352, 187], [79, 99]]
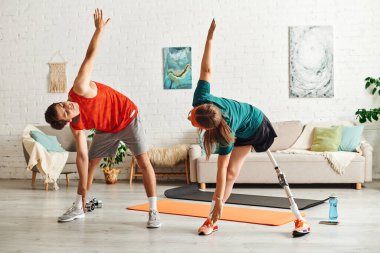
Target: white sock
[[211, 208], [78, 202], [152, 203]]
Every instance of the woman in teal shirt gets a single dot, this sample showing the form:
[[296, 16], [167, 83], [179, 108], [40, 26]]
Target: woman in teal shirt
[[235, 126]]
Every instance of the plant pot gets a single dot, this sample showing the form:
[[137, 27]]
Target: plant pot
[[110, 175]]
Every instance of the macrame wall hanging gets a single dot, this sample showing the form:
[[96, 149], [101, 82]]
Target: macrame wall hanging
[[57, 75]]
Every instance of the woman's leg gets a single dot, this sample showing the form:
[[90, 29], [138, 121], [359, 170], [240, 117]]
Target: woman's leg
[[237, 159]]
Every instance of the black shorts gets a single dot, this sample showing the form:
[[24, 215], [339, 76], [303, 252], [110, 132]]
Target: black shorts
[[262, 139]]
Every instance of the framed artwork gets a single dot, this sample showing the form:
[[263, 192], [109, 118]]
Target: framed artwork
[[177, 68], [311, 62]]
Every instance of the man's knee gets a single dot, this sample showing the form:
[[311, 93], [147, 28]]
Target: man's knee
[[94, 161], [143, 161]]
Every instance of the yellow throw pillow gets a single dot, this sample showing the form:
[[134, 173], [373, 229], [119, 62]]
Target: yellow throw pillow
[[326, 139]]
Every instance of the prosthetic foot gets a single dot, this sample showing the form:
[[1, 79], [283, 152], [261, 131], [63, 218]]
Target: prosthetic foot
[[301, 228]]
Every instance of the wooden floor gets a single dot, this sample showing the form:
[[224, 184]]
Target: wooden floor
[[28, 223]]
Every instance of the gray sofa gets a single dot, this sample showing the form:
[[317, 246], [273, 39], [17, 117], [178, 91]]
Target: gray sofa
[[298, 168], [67, 141]]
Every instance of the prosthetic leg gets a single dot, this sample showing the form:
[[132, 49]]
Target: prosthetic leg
[[301, 227]]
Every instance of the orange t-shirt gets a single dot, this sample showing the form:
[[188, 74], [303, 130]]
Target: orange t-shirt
[[109, 111]]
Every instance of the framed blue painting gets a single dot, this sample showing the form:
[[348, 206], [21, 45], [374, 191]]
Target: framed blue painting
[[177, 68]]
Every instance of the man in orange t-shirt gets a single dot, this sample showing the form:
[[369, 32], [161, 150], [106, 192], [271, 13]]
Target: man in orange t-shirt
[[115, 118]]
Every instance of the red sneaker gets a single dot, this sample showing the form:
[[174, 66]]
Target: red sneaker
[[301, 228], [207, 227]]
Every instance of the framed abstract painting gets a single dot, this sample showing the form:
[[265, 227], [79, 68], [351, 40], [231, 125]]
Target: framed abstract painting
[[177, 68], [311, 62]]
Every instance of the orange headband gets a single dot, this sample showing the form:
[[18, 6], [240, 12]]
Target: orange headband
[[194, 121]]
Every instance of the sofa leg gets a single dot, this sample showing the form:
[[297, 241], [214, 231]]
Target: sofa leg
[[202, 186], [358, 186], [34, 178], [67, 180], [46, 186]]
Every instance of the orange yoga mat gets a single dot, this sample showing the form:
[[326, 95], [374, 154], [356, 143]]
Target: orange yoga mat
[[248, 215]]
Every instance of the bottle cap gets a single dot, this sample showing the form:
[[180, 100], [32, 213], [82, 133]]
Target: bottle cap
[[333, 195]]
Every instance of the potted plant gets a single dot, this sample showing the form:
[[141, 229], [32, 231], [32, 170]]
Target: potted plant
[[108, 163], [370, 114]]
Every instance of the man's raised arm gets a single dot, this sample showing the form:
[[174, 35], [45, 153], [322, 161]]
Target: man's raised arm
[[83, 79]]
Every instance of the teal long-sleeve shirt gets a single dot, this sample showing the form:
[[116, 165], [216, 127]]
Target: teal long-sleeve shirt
[[243, 119]]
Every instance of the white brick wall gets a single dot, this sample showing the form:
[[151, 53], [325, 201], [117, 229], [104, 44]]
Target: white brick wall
[[250, 59]]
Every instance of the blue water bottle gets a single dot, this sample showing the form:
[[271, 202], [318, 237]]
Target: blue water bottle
[[333, 212]]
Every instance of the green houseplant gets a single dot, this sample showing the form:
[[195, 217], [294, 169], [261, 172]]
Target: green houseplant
[[108, 163], [365, 115]]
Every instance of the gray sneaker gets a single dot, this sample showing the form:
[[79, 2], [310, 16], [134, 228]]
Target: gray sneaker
[[71, 214], [154, 219]]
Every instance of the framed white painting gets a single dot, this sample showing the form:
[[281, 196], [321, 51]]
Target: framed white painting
[[311, 62]]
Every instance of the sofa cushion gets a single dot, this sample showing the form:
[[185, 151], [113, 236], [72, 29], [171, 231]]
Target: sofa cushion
[[280, 158], [49, 142], [72, 157], [351, 137], [306, 138], [65, 137], [287, 134], [298, 168], [326, 139]]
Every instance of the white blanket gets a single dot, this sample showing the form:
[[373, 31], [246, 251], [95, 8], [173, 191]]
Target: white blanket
[[338, 160], [49, 164]]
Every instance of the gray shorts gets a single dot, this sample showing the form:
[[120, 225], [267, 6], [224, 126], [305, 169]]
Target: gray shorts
[[105, 144]]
